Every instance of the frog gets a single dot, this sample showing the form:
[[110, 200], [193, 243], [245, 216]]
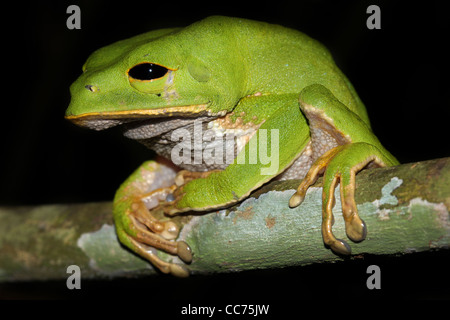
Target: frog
[[247, 83]]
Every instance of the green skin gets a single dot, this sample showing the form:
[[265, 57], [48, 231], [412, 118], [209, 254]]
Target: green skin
[[264, 74]]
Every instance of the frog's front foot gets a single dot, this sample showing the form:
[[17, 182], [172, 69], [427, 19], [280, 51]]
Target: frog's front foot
[[140, 220], [340, 164]]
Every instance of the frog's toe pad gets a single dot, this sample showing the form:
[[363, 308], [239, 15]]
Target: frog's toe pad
[[296, 200], [170, 230], [356, 230], [184, 251], [341, 247], [178, 270]]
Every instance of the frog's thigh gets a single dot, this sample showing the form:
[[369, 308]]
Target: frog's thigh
[[331, 119]]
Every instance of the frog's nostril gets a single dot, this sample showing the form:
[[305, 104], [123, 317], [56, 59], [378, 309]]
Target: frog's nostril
[[92, 88]]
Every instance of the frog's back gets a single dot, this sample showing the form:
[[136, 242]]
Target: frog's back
[[282, 60]]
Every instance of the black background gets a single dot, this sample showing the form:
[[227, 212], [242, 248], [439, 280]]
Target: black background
[[400, 73]]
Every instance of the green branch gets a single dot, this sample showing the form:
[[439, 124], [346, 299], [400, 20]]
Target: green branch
[[406, 209]]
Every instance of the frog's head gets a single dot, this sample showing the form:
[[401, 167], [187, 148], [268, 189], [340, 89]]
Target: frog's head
[[189, 73]]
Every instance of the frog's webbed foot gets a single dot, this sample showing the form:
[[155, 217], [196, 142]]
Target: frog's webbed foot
[[337, 167]]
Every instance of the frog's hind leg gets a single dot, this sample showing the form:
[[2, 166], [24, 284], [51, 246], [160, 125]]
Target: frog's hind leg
[[339, 169], [342, 145], [337, 245]]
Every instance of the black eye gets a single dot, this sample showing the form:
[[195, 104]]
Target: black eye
[[147, 71]]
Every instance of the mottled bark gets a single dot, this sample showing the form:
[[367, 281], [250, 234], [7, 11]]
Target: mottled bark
[[406, 209]]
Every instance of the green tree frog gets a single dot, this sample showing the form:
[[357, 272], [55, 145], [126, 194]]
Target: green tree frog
[[217, 98]]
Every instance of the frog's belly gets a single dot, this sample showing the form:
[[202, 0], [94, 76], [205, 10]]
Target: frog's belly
[[206, 156], [209, 160], [299, 168], [201, 146]]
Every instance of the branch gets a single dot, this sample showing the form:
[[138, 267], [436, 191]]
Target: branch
[[406, 209]]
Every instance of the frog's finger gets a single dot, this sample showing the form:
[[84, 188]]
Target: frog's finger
[[361, 155], [139, 238], [350, 159], [331, 178], [142, 218], [184, 176], [169, 205], [339, 246], [354, 226], [167, 229], [144, 236], [316, 169], [145, 243]]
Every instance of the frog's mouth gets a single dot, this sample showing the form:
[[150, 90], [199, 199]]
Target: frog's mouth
[[105, 120]]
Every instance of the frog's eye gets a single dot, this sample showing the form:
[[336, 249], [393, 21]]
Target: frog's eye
[[150, 77], [147, 72]]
